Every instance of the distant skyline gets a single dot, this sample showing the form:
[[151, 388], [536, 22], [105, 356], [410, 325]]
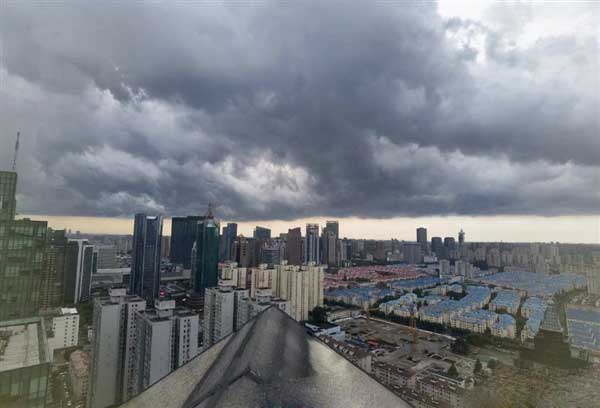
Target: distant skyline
[[387, 111], [571, 229]]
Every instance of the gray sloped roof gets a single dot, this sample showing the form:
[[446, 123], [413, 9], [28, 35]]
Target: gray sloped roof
[[272, 362]]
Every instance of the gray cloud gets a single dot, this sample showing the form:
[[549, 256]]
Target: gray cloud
[[287, 110]]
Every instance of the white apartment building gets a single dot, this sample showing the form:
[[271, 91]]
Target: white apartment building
[[65, 329], [114, 339], [219, 306], [167, 338], [235, 274], [301, 285]]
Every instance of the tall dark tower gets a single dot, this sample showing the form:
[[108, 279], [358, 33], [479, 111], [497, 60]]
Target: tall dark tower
[[205, 268], [422, 239], [145, 257], [183, 235], [461, 237]]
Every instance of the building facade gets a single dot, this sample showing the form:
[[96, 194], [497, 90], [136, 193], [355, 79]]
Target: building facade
[[112, 374], [145, 257]]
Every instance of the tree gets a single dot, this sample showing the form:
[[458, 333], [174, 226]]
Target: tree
[[477, 369], [460, 346], [492, 364], [452, 371], [318, 315]]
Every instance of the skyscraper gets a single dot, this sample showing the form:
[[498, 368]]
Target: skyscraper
[[183, 235], [78, 270], [437, 247], [23, 253], [422, 238], [228, 239], [294, 246], [461, 237], [262, 233], [205, 271], [329, 243], [112, 374], [52, 292], [312, 247], [145, 257]]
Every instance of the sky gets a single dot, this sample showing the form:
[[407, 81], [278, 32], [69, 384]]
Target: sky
[[384, 115]]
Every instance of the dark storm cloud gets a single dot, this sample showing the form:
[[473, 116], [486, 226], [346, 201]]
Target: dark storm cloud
[[286, 110]]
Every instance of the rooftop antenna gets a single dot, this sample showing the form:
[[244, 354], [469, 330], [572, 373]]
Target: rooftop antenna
[[14, 166], [209, 214]]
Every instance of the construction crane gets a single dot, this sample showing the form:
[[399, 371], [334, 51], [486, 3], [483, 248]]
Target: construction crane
[[14, 166]]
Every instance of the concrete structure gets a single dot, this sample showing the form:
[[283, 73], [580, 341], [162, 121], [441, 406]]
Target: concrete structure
[[24, 363], [167, 338], [78, 273], [114, 341], [234, 274], [219, 309], [64, 323], [79, 366]]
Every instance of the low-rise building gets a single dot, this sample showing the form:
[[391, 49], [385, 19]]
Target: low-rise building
[[24, 362], [79, 367]]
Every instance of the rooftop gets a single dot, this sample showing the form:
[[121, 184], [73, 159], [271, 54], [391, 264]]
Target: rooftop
[[22, 344], [270, 362]]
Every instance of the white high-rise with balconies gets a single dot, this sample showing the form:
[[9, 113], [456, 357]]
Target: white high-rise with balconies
[[112, 379]]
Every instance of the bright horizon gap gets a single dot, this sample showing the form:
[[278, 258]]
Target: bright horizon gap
[[577, 229]]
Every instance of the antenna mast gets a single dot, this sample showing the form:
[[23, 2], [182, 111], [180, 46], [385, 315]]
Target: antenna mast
[[14, 166]]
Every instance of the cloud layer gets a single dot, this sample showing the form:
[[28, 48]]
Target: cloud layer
[[280, 111]]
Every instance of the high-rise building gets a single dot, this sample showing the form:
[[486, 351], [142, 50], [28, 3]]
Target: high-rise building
[[272, 252], [437, 247], [107, 256], [218, 314], [165, 247], [329, 239], [63, 328], [302, 286], [450, 243], [243, 250], [461, 237], [235, 275], [312, 252], [52, 293], [183, 235], [262, 233], [422, 239], [167, 338], [114, 341], [23, 253], [144, 280], [228, 239], [78, 271], [205, 271], [25, 363], [294, 252], [412, 253]]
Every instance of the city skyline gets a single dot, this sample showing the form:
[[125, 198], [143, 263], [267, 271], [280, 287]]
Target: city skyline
[[565, 229]]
